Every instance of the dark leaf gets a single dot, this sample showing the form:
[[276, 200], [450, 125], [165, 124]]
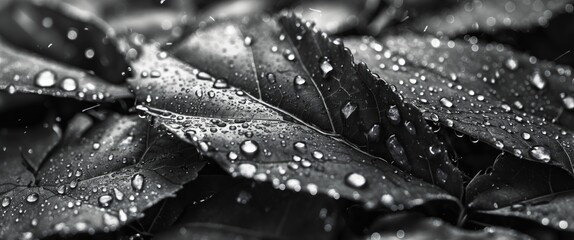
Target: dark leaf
[[296, 69], [223, 207], [97, 182], [489, 16], [64, 34], [23, 72], [508, 100], [414, 226]]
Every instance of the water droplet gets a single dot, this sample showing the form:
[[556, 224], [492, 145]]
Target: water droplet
[[355, 180], [526, 136], [540, 153], [398, 152], [61, 189], [348, 109], [232, 156], [326, 67], [111, 220], [394, 115], [45, 79], [271, 78], [203, 76], [300, 146], [299, 81], [6, 202], [11, 89], [105, 200], [374, 134], [293, 184], [119, 194], [538, 81], [220, 83], [155, 74], [69, 84], [511, 63], [517, 207], [563, 224], [248, 40], [568, 101], [138, 182], [318, 155], [249, 148], [247, 170], [446, 103], [288, 54], [32, 198]]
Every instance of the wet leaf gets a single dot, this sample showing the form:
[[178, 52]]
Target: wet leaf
[[509, 100], [294, 68], [272, 214], [489, 16], [119, 167], [414, 226], [24, 72], [65, 34]]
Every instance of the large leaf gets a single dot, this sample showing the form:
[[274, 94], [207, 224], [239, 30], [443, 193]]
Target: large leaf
[[294, 68], [506, 99], [217, 206], [93, 182]]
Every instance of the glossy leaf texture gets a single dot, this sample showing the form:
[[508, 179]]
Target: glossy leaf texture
[[94, 182], [488, 16], [414, 226], [506, 99], [63, 33], [273, 214], [292, 67]]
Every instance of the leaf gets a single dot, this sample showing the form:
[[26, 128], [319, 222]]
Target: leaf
[[414, 226], [489, 16], [503, 98], [27, 73], [217, 206], [296, 69], [95, 183], [513, 180], [65, 34]]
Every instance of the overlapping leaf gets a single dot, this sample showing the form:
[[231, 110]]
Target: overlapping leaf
[[295, 68], [508, 100], [96, 182]]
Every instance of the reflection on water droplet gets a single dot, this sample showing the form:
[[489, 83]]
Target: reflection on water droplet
[[138, 182], [45, 79], [511, 63], [32, 198], [538, 81], [249, 148], [356, 180], [540, 153]]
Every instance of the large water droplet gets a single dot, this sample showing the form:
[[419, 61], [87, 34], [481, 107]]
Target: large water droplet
[[138, 182], [6, 202], [33, 197], [45, 79], [540, 153], [119, 194], [220, 83], [355, 180], [249, 148], [69, 84], [446, 103], [300, 146], [105, 200], [398, 152]]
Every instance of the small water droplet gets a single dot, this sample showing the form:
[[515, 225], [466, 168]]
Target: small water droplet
[[538, 81], [6, 202], [119, 194], [540, 153], [299, 81], [249, 148], [526, 136], [511, 63], [348, 109], [374, 134], [326, 67], [271, 77], [394, 115], [446, 103], [300, 146], [45, 79], [220, 83], [138, 182], [568, 101], [61, 189], [355, 180], [11, 89], [248, 40]]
